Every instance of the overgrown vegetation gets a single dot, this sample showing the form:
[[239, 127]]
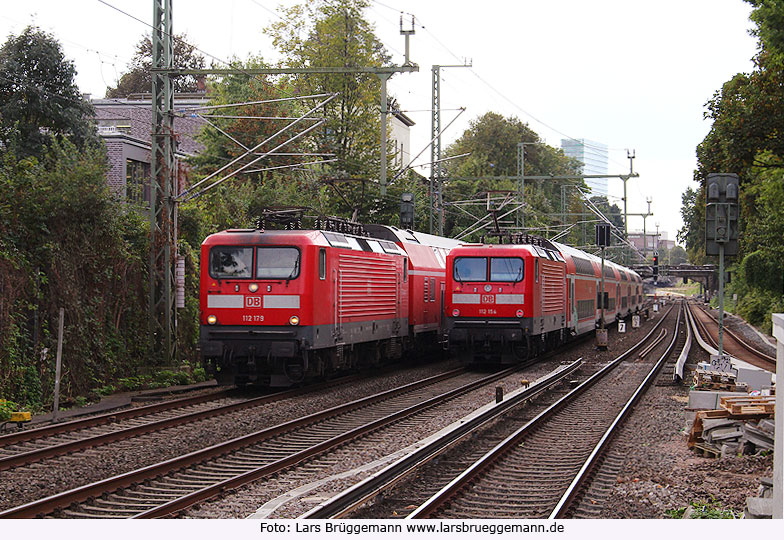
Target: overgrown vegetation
[[703, 510]]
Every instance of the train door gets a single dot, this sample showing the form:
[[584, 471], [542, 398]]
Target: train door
[[338, 331], [572, 303], [442, 309], [618, 298]]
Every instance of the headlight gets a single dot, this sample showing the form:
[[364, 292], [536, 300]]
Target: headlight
[[455, 312], [212, 319], [253, 287], [519, 313], [294, 320]]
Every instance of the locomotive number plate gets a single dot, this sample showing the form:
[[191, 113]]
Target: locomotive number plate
[[488, 299], [253, 318], [253, 301]]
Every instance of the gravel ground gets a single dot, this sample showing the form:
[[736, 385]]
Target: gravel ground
[[660, 473], [25, 484], [328, 482]]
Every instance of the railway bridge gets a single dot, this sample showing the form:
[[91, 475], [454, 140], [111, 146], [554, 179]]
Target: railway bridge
[[707, 274]]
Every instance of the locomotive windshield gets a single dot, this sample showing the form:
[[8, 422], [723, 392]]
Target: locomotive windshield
[[277, 263], [227, 262], [506, 269], [470, 269], [501, 269]]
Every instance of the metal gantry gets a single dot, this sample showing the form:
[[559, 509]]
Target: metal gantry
[[436, 181], [164, 196], [163, 186]]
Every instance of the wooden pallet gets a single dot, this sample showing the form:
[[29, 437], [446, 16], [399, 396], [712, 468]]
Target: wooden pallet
[[695, 435], [748, 405], [700, 375], [707, 451], [726, 387]]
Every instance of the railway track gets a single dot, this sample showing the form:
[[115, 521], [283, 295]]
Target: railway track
[[539, 470], [733, 344], [167, 487], [545, 463], [29, 446]]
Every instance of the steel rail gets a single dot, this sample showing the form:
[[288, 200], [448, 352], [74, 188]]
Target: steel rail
[[68, 447], [84, 493], [590, 463], [465, 478], [218, 488], [745, 345], [353, 497], [106, 418]]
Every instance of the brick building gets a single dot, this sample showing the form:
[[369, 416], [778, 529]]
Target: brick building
[[126, 127]]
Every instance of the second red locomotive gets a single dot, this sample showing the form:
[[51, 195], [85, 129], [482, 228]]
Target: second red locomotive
[[512, 301]]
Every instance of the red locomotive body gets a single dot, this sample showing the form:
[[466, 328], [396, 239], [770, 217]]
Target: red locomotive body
[[278, 307], [511, 301]]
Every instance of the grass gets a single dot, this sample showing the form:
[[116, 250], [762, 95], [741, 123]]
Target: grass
[[703, 510]]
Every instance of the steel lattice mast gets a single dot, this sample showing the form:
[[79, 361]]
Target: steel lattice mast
[[163, 210]]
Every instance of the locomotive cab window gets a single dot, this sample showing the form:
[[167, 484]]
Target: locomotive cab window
[[470, 269], [506, 269], [277, 263], [228, 262], [322, 263]]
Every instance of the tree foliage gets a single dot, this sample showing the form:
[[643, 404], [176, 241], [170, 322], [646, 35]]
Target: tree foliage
[[138, 79], [491, 140], [39, 100], [334, 33], [65, 242], [747, 138]]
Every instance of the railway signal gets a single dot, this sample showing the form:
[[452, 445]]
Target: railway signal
[[656, 267], [721, 229]]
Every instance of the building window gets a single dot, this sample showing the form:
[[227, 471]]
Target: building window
[[137, 182]]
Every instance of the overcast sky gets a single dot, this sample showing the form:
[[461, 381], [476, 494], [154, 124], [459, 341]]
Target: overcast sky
[[629, 74]]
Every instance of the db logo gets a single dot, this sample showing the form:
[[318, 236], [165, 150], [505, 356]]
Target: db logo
[[253, 301], [488, 299]]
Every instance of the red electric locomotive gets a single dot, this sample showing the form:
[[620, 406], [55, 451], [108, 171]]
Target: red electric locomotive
[[511, 301], [280, 307]]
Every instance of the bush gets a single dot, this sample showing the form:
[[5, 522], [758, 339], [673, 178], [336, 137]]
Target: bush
[[6, 408]]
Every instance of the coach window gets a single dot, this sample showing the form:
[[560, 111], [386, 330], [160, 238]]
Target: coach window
[[322, 263], [277, 263], [506, 269], [227, 262], [470, 269]]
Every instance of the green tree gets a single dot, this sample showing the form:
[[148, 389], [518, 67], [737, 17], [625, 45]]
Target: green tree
[[66, 242], [39, 100], [612, 211], [138, 79], [492, 140], [746, 138], [334, 33]]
